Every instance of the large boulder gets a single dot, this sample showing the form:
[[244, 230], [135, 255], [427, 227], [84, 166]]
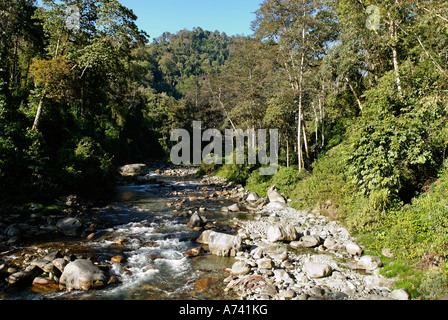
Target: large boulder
[[274, 195], [69, 226], [137, 169], [281, 232], [223, 244], [82, 274]]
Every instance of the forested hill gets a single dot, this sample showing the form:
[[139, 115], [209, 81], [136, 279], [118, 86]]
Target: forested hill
[[77, 102]]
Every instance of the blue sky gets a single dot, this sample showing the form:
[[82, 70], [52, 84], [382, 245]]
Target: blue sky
[[230, 16]]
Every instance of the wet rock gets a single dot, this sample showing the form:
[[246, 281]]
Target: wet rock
[[69, 226], [82, 274], [236, 207], [194, 252], [23, 276], [204, 237], [43, 281], [137, 169], [60, 263], [44, 264], [118, 259], [223, 244], [204, 284], [146, 179], [197, 221]]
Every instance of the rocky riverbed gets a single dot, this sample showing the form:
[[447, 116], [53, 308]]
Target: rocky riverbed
[[258, 248]]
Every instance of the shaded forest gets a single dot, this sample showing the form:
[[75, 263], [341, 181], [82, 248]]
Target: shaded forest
[[359, 96]]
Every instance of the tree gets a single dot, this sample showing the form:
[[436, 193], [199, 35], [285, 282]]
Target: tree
[[303, 30]]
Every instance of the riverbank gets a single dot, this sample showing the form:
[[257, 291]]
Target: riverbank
[[275, 252]]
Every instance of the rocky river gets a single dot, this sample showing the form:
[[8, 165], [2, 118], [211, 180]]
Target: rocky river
[[171, 235]]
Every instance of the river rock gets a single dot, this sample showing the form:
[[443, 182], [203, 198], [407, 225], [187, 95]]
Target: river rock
[[60, 263], [265, 263], [318, 270], [253, 196], [353, 249], [69, 226], [240, 268], [137, 169], [223, 244], [310, 241], [400, 294], [276, 205], [369, 262], [274, 195], [236, 207], [197, 221], [82, 274], [281, 232], [44, 264], [204, 237], [23, 276]]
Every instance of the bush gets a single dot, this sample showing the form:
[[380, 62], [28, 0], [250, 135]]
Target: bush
[[258, 183], [234, 172], [286, 178]]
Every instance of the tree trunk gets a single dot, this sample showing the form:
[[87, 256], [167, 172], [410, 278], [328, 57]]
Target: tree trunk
[[393, 34], [354, 93], [38, 114]]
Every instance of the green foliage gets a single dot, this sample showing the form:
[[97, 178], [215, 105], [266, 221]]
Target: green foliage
[[326, 181], [434, 283], [258, 183], [234, 172], [88, 169]]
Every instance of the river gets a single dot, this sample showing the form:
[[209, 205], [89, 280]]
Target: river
[[147, 225]]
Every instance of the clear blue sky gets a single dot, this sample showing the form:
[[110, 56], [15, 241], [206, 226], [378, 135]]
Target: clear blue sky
[[230, 16]]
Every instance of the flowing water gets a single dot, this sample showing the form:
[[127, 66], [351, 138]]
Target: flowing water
[[153, 237]]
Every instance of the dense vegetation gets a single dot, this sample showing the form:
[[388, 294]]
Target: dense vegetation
[[360, 102]]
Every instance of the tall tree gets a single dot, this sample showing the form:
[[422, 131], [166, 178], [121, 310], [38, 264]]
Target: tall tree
[[303, 30]]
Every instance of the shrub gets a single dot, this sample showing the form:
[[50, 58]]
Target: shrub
[[258, 183]]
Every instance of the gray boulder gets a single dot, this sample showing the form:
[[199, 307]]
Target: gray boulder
[[274, 195], [137, 169], [197, 221], [69, 226], [253, 196], [82, 274], [318, 270], [223, 244], [281, 232], [276, 205], [369, 262]]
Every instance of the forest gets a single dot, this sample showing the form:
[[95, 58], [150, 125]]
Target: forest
[[357, 89]]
